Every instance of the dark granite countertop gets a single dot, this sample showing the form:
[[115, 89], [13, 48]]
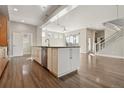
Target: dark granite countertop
[[58, 46]]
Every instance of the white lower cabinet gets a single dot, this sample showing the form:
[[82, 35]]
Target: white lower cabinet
[[52, 60], [75, 60], [62, 61], [64, 65], [36, 54]]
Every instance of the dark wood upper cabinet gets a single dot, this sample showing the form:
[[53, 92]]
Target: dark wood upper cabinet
[[3, 31]]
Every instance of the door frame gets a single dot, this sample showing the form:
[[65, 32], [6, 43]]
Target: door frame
[[90, 34]]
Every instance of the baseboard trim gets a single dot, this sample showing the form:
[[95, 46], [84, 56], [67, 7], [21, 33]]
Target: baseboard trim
[[120, 57]]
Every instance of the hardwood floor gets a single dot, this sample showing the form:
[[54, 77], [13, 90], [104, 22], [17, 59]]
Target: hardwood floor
[[3, 64], [93, 72]]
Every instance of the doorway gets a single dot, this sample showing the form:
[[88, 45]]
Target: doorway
[[27, 43], [17, 44], [90, 40], [95, 36], [22, 43]]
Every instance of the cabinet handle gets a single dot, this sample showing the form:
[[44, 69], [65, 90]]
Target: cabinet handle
[[70, 53]]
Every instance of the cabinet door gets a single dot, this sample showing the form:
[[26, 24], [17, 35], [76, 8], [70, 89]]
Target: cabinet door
[[49, 59], [52, 60], [3, 31], [75, 58], [55, 61], [63, 61], [37, 54], [34, 52]]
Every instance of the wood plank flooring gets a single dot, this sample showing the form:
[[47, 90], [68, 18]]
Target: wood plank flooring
[[93, 72], [3, 64]]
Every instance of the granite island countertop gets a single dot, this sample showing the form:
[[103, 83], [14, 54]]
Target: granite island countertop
[[58, 46]]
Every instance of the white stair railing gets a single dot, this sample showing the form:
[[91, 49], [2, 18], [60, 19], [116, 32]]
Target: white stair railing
[[105, 42]]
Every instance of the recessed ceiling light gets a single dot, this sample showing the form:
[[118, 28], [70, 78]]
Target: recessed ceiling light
[[15, 9], [22, 20]]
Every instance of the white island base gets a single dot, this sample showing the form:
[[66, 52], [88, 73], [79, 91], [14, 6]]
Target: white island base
[[60, 60]]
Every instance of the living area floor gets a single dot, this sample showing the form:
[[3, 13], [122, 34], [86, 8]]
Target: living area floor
[[95, 71]]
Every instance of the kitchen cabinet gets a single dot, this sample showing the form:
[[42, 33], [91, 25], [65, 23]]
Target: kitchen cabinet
[[52, 60], [64, 65], [3, 31], [74, 58], [36, 54], [58, 60], [69, 60], [62, 61]]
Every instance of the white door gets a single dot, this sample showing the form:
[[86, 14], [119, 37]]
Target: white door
[[27, 42], [17, 44]]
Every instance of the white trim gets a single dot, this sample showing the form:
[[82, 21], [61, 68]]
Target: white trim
[[110, 56]]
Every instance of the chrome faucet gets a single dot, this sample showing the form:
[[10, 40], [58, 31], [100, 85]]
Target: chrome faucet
[[47, 40]]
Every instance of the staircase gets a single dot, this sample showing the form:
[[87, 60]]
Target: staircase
[[105, 43]]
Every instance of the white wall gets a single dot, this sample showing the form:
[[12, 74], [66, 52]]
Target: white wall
[[39, 36], [115, 48], [22, 28]]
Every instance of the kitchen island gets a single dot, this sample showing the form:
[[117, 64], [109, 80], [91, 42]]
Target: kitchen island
[[58, 60]]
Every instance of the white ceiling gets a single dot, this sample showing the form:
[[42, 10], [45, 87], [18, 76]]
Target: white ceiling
[[31, 14], [91, 16]]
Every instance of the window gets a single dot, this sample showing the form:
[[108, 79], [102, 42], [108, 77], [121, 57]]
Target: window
[[67, 39], [72, 39]]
